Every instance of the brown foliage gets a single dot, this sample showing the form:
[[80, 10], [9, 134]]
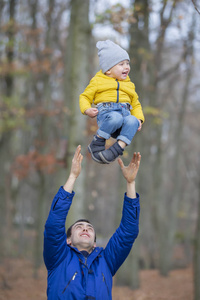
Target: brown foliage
[[117, 15], [34, 161]]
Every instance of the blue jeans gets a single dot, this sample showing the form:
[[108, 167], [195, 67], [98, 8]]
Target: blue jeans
[[115, 120]]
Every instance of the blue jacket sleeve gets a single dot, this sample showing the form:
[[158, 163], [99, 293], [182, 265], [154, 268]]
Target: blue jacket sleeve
[[55, 244], [122, 240]]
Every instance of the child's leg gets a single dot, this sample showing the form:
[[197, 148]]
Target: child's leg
[[122, 144], [128, 130], [108, 122]]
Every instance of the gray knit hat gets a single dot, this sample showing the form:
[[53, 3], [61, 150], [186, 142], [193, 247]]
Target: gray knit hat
[[110, 54]]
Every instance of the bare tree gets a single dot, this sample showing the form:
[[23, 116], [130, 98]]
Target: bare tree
[[197, 252], [7, 84], [76, 78]]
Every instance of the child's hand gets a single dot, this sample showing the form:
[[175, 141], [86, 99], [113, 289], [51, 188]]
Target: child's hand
[[91, 112], [140, 126]]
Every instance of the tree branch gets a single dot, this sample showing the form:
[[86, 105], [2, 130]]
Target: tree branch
[[173, 69], [196, 7]]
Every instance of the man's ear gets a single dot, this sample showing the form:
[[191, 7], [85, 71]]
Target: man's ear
[[69, 242]]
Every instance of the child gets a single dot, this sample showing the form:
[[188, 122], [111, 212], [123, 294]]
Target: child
[[118, 110]]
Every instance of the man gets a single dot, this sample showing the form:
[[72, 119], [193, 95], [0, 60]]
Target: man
[[77, 269]]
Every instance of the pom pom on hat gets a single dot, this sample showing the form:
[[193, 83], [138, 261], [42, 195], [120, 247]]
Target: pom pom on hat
[[110, 54]]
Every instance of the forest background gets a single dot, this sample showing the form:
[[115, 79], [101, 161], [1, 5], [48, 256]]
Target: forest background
[[47, 57]]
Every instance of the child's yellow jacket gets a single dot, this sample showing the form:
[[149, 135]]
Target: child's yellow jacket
[[103, 88]]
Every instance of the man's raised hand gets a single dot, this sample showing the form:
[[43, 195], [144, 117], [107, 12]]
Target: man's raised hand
[[130, 171], [76, 162]]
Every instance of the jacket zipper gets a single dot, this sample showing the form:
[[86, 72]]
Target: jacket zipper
[[117, 91], [104, 280], [73, 277]]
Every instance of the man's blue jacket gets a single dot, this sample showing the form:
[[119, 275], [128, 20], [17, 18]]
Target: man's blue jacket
[[71, 276]]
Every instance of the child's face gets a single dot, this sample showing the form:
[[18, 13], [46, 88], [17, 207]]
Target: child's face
[[119, 71]]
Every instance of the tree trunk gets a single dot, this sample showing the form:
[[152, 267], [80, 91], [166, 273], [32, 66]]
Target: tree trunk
[[76, 79], [44, 129], [39, 221], [129, 273], [196, 261], [5, 144], [173, 205]]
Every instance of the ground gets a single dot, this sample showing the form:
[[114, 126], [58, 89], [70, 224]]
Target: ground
[[17, 283]]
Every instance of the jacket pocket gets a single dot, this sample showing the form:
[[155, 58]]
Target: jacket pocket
[[104, 280], [72, 278]]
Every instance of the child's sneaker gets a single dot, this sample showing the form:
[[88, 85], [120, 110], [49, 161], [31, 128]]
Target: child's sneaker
[[111, 153], [97, 145]]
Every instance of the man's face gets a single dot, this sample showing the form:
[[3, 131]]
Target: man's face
[[82, 236]]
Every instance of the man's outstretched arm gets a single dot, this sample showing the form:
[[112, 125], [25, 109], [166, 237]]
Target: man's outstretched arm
[[122, 240], [130, 173], [55, 248], [75, 170]]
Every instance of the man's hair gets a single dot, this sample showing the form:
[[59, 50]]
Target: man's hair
[[69, 230]]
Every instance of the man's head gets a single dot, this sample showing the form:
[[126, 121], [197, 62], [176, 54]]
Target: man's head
[[110, 54], [81, 235]]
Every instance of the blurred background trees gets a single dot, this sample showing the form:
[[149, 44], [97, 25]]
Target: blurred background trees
[[47, 57]]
